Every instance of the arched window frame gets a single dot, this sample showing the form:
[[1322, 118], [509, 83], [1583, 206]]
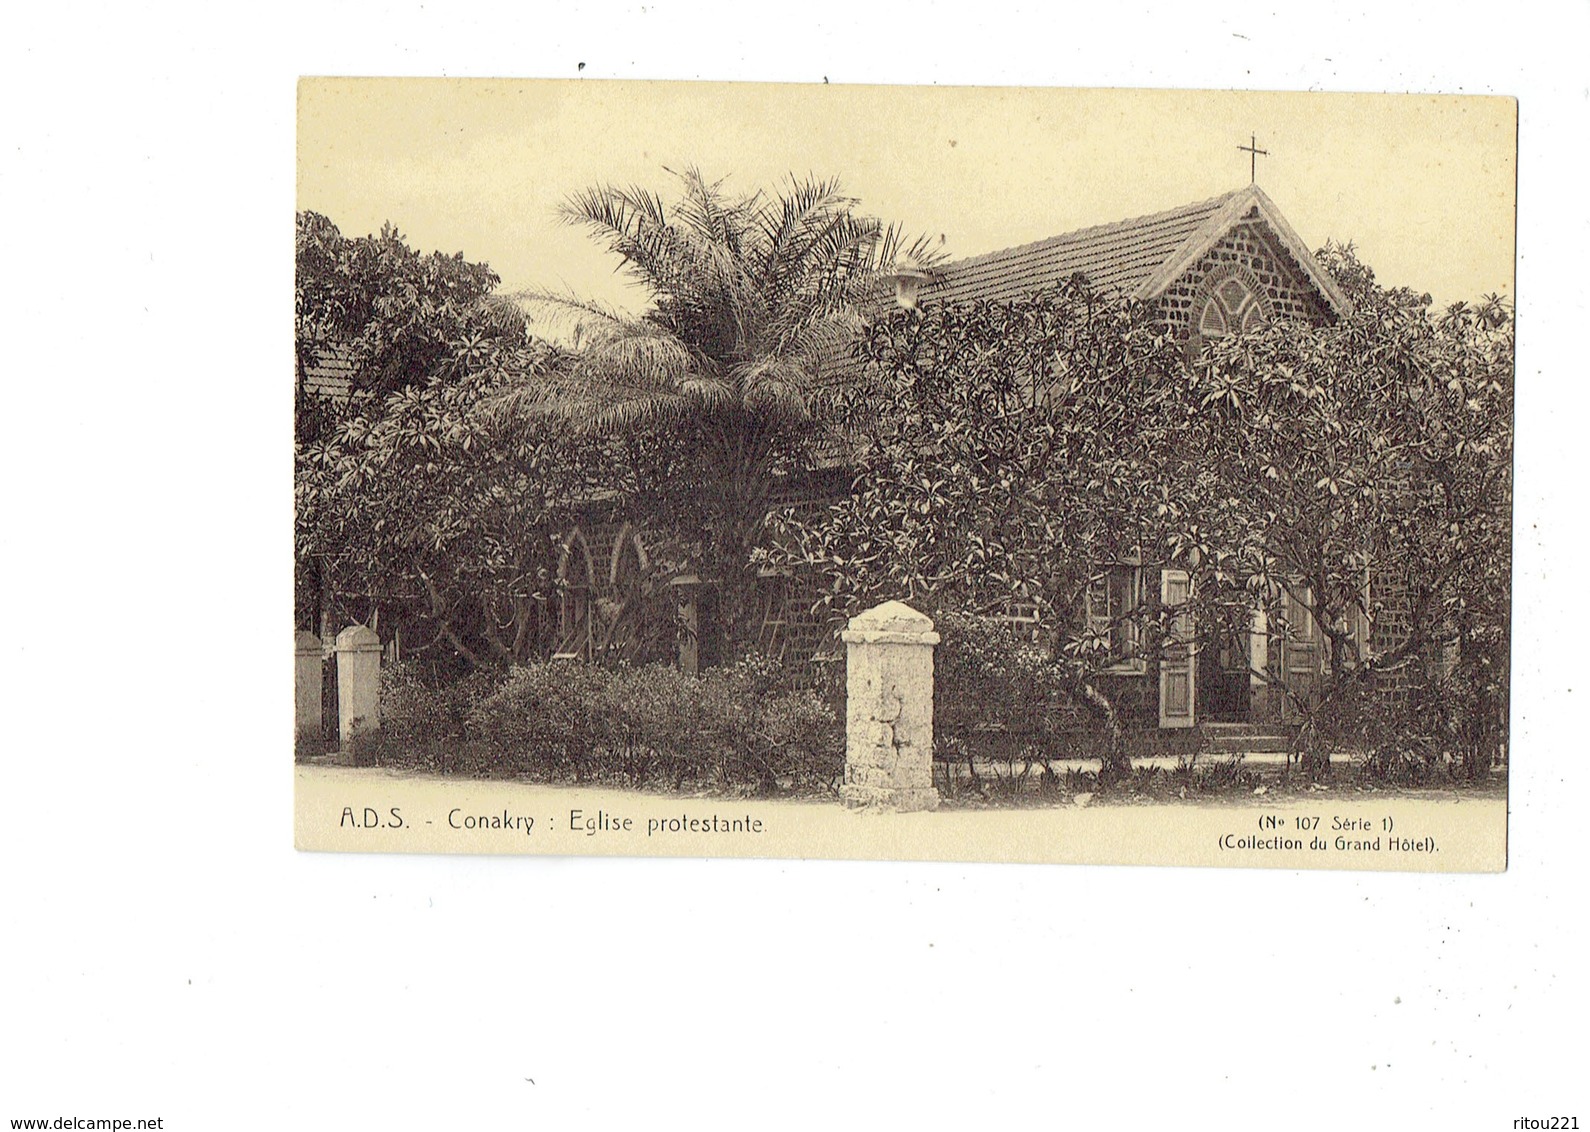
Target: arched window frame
[[1232, 294], [628, 541], [576, 586]]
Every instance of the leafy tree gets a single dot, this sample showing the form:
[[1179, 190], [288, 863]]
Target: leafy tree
[[394, 313], [1355, 465], [1031, 445], [413, 503], [429, 517], [714, 395]]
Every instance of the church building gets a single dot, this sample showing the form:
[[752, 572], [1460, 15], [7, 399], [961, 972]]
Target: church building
[[1214, 267], [1218, 266]]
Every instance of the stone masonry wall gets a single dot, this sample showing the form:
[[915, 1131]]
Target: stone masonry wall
[[1285, 289]]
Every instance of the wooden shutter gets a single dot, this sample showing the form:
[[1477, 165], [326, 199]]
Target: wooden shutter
[[1258, 647], [1178, 659], [1300, 654]]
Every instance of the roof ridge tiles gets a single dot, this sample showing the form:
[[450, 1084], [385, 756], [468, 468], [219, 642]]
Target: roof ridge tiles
[[1212, 204]]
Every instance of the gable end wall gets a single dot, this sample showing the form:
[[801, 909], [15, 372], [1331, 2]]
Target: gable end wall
[[1249, 244]]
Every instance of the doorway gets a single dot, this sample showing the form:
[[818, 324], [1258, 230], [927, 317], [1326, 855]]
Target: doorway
[[1224, 678]]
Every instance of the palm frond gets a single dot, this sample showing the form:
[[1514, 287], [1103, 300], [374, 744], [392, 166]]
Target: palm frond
[[632, 413], [714, 214], [778, 386], [693, 256], [829, 241], [754, 299], [921, 251], [637, 355], [784, 218], [708, 391], [521, 401], [825, 260], [505, 314], [579, 319], [824, 339], [587, 406], [631, 222], [625, 363], [564, 303], [614, 212]]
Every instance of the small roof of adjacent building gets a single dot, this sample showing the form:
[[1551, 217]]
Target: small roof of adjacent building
[[329, 371]]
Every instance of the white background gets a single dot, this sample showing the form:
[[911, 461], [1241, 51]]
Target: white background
[[166, 951]]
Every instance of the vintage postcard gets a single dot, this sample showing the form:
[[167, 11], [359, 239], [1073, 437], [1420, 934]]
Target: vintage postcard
[[981, 474]]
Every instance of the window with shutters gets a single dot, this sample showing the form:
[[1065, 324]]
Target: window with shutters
[[1114, 597]]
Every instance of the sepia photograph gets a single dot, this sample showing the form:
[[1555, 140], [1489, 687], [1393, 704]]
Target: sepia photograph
[[994, 453], [919, 565]]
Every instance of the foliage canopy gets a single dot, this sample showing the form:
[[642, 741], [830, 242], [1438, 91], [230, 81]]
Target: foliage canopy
[[718, 389]]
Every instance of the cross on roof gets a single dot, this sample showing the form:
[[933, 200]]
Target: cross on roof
[[1253, 151]]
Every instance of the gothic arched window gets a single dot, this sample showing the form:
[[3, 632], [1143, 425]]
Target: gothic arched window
[[1231, 306], [576, 587]]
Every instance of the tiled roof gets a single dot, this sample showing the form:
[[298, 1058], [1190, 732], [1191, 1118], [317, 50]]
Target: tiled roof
[[1139, 258], [1120, 256]]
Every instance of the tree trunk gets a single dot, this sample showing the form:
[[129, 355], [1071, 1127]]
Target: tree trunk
[[441, 614], [1313, 760], [743, 489], [1115, 765]]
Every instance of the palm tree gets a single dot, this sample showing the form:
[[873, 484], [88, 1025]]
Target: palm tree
[[754, 298]]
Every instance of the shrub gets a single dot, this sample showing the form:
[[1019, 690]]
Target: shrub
[[424, 720], [995, 692], [1213, 776], [1440, 730], [803, 739], [649, 720], [776, 740], [757, 732], [1463, 715], [543, 717], [416, 706], [1393, 764], [731, 728]]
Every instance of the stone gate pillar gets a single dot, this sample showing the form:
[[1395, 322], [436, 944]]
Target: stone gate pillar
[[306, 685], [358, 682], [889, 709]]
